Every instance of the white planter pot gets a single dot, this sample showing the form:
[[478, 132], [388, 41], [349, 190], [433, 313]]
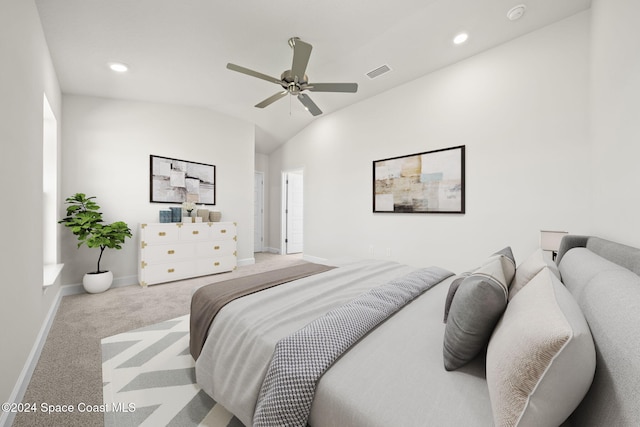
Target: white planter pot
[[95, 283]]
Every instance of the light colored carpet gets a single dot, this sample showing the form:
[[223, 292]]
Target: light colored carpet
[[149, 380], [69, 371]]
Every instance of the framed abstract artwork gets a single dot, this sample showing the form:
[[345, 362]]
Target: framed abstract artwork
[[429, 182], [177, 181]]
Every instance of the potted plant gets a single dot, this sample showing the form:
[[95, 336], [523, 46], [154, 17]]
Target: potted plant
[[85, 222]]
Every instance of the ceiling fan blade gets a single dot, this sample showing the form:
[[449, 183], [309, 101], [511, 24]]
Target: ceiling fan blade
[[273, 98], [252, 73], [309, 104], [301, 54], [333, 87]]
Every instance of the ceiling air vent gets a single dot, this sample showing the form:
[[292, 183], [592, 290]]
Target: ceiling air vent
[[378, 71]]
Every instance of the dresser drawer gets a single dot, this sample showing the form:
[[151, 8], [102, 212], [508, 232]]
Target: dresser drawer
[[154, 254], [215, 265], [215, 248], [195, 232], [153, 234], [223, 231], [156, 273]]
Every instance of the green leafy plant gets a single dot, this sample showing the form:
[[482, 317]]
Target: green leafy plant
[[85, 221]]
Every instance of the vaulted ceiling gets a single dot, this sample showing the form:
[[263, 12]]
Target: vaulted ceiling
[[177, 51]]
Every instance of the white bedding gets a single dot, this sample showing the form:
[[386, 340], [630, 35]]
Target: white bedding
[[393, 376]]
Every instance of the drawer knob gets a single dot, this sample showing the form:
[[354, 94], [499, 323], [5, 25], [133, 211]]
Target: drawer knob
[[216, 263], [171, 270], [223, 231], [162, 233], [171, 252], [216, 248], [195, 231]]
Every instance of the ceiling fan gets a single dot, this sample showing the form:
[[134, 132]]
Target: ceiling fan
[[295, 81]]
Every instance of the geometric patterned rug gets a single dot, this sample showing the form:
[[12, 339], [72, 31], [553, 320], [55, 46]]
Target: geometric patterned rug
[[148, 379]]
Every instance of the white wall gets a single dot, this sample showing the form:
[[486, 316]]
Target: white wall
[[521, 109], [27, 73], [262, 163], [615, 91], [106, 148]]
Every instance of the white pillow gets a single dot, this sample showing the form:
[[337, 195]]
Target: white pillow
[[541, 357], [527, 271]]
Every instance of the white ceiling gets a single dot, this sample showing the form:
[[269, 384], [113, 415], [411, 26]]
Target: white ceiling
[[177, 50]]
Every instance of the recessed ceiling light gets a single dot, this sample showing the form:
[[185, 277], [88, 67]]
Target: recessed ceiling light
[[460, 38], [118, 67], [516, 12]]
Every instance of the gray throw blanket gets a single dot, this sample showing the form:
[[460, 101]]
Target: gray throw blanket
[[300, 359], [209, 299]]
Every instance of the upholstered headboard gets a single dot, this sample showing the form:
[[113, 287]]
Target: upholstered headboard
[[625, 256], [604, 278]]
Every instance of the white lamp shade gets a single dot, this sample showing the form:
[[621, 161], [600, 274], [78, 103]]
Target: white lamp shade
[[550, 240]]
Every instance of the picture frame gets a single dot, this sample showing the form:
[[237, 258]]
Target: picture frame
[[177, 181], [427, 182]]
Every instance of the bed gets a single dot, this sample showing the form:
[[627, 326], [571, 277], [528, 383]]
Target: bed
[[414, 369]]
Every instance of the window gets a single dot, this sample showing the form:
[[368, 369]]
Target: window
[[50, 194]]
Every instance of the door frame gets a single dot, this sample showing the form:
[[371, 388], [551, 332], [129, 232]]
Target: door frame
[[284, 206], [261, 215]]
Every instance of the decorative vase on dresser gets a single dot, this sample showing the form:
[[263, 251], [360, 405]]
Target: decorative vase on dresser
[[177, 251]]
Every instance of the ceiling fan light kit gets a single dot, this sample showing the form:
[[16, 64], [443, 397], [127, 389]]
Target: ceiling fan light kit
[[295, 81]]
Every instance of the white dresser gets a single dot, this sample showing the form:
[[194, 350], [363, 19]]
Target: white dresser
[[175, 251]]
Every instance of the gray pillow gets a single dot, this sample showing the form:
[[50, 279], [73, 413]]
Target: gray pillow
[[476, 306], [453, 288]]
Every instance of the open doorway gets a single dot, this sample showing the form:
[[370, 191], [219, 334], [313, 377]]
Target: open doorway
[[292, 211]]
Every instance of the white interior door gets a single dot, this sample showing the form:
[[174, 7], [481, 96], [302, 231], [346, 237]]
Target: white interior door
[[294, 212], [258, 212]]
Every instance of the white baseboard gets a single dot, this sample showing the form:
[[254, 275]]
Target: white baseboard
[[246, 261], [6, 418], [71, 289], [272, 250], [118, 282], [312, 258], [124, 281]]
